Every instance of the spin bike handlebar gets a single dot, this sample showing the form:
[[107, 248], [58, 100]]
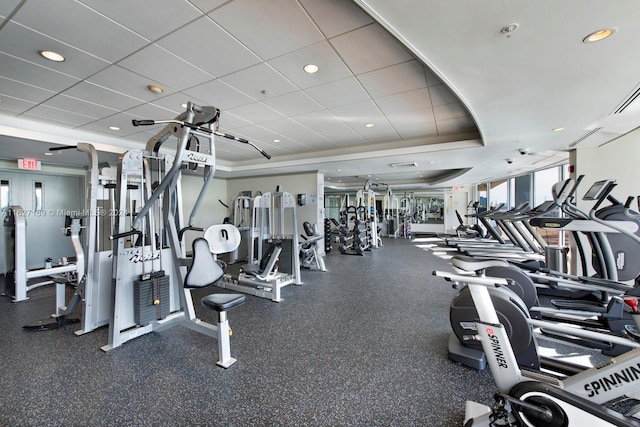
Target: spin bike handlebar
[[200, 129]]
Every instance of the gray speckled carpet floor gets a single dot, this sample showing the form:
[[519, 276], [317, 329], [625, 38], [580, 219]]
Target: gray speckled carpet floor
[[363, 344]]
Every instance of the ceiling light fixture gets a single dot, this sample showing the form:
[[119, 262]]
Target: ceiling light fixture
[[114, 128], [310, 68], [51, 56], [596, 36], [183, 105], [48, 153], [403, 165], [369, 125], [155, 89], [276, 140], [560, 129]]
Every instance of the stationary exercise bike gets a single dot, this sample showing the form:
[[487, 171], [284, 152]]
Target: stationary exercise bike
[[527, 398]]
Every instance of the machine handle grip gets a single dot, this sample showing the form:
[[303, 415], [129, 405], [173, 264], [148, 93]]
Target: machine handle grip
[[143, 122], [188, 228], [66, 147], [125, 234]]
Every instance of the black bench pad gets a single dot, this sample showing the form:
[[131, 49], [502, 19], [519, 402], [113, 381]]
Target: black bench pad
[[223, 302]]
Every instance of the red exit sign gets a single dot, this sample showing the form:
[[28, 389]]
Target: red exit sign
[[29, 164]]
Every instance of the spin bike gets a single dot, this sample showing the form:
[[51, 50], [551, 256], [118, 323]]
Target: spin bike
[[527, 398]]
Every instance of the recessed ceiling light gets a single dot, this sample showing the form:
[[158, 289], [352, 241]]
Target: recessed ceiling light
[[560, 129], [338, 170], [369, 125], [310, 68], [114, 128], [183, 105], [596, 36], [52, 56], [276, 140], [48, 153], [432, 162], [155, 89], [339, 180]]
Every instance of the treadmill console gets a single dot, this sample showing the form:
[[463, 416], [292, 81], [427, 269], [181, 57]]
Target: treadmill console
[[597, 189]]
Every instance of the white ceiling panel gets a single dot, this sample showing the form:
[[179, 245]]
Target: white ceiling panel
[[441, 95], [34, 74], [252, 81], [26, 44], [121, 120], [24, 91], [414, 123], [150, 22], [99, 95], [65, 19], [150, 111], [456, 126], [174, 102], [341, 92], [11, 105], [7, 6], [331, 67], [327, 125], [255, 132], [381, 131], [160, 65], [230, 121], [59, 116], [394, 79], [406, 101], [449, 111], [219, 94], [207, 6], [269, 28], [67, 103], [293, 104], [359, 113], [294, 131], [256, 113], [335, 17], [385, 52], [126, 82], [207, 46], [408, 130]]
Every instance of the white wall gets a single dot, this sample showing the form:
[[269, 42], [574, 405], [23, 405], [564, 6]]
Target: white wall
[[619, 160]]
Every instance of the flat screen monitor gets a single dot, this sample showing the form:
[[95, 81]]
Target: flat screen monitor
[[595, 192]]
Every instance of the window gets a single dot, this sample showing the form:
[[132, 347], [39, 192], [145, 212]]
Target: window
[[543, 182], [499, 193], [482, 197], [38, 189], [5, 194]]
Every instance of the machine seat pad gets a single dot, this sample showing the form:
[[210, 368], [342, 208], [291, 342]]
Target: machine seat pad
[[223, 302], [204, 270], [468, 263]]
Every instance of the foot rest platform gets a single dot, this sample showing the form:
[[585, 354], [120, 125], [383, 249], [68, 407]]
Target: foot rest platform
[[223, 302]]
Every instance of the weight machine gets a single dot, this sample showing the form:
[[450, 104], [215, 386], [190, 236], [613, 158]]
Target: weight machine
[[16, 282], [151, 281], [273, 249]]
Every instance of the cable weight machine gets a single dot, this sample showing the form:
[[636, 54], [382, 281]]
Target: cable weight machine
[[148, 245]]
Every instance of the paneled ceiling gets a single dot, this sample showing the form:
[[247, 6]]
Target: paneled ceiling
[[433, 83]]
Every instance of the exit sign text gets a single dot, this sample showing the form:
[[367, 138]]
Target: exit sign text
[[29, 164]]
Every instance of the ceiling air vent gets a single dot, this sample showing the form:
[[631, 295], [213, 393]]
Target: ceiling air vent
[[627, 102], [583, 137], [403, 165]]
